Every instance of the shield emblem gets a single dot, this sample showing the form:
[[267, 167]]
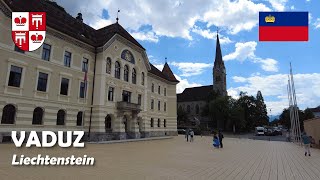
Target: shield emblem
[[28, 29]]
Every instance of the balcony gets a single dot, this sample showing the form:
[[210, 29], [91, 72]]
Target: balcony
[[126, 106]]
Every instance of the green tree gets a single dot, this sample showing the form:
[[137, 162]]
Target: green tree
[[261, 116]]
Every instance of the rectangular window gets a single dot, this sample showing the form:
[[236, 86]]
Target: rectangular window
[[42, 82], [16, 48], [152, 87], [85, 63], [159, 89], [64, 86], [110, 94], [164, 123], [159, 104], [165, 107], [139, 99], [165, 92], [15, 76], [46, 50], [82, 89], [126, 96], [67, 58], [152, 102]]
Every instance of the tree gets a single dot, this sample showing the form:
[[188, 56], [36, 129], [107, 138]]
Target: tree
[[284, 118], [248, 103], [261, 111]]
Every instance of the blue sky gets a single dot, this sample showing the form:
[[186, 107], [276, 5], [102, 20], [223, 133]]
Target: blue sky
[[184, 31]]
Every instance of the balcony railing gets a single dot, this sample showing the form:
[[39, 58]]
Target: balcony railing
[[126, 106]]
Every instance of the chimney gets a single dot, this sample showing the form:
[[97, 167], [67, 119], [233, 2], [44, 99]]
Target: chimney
[[79, 17]]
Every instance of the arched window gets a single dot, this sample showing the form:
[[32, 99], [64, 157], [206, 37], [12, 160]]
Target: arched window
[[151, 124], [37, 116], [158, 122], [8, 114], [117, 70], [142, 78], [134, 76], [188, 109], [108, 67], [79, 118], [164, 123], [61, 117], [126, 73], [197, 109], [108, 122]]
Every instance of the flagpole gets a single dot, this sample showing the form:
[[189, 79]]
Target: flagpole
[[290, 111], [296, 106], [292, 115]]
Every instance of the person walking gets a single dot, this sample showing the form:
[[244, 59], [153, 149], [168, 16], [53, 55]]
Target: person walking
[[191, 135], [216, 143], [187, 134], [306, 142], [220, 135]]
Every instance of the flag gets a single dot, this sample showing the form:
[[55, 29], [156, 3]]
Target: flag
[[283, 26]]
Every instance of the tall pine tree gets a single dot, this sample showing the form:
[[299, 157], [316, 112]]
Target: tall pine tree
[[261, 111]]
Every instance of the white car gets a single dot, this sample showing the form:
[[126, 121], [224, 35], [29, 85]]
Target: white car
[[260, 131]]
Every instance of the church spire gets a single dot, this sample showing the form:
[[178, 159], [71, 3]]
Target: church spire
[[218, 60]]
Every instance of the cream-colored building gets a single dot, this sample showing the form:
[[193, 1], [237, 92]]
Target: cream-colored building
[[125, 96]]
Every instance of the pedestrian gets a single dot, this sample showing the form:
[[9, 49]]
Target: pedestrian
[[187, 134], [216, 143], [220, 135], [191, 135], [288, 136], [306, 142]]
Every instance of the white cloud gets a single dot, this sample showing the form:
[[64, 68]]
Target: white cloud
[[159, 66], [169, 18], [278, 5], [184, 83], [146, 36], [207, 33], [239, 79], [317, 23], [246, 51], [191, 69], [236, 16], [292, 7], [274, 89]]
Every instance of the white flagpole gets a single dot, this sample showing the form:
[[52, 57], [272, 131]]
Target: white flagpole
[[295, 106], [292, 114]]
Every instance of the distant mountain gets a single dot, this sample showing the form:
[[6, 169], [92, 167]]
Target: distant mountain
[[272, 117]]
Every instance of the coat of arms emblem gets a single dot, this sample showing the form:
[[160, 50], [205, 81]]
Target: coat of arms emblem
[[28, 29]]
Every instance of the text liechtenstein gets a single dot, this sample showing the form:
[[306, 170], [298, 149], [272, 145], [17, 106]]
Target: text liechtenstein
[[33, 140]]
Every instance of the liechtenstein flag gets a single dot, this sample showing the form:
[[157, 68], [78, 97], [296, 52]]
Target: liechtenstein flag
[[283, 26]]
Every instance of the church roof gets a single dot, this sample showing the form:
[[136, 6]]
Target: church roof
[[218, 59], [200, 93]]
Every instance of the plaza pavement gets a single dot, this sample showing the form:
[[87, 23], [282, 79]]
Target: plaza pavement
[[172, 159]]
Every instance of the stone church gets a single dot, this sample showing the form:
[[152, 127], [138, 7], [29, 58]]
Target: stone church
[[193, 100]]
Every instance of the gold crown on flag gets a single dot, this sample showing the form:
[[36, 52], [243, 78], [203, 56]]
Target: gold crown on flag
[[270, 19]]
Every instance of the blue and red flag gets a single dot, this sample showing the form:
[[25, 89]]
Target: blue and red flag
[[283, 26]]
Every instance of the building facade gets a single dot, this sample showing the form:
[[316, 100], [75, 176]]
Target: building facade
[[98, 81], [193, 100]]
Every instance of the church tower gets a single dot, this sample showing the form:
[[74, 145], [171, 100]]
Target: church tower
[[219, 72]]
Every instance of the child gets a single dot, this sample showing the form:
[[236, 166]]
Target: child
[[216, 142]]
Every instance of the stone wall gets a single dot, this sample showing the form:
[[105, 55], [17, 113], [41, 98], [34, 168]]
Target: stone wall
[[312, 127]]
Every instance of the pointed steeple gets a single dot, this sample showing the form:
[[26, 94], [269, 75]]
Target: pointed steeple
[[218, 60]]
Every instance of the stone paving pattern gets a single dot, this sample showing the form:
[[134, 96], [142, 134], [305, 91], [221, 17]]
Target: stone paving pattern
[[172, 159]]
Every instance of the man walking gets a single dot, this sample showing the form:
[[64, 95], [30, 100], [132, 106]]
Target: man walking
[[306, 142], [191, 135], [220, 138]]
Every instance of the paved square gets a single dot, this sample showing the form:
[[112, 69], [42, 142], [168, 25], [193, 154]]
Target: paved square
[[172, 159]]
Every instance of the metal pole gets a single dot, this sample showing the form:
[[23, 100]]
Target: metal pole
[[296, 107], [289, 109], [292, 114]]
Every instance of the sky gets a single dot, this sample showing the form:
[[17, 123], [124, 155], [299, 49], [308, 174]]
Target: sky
[[185, 31]]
